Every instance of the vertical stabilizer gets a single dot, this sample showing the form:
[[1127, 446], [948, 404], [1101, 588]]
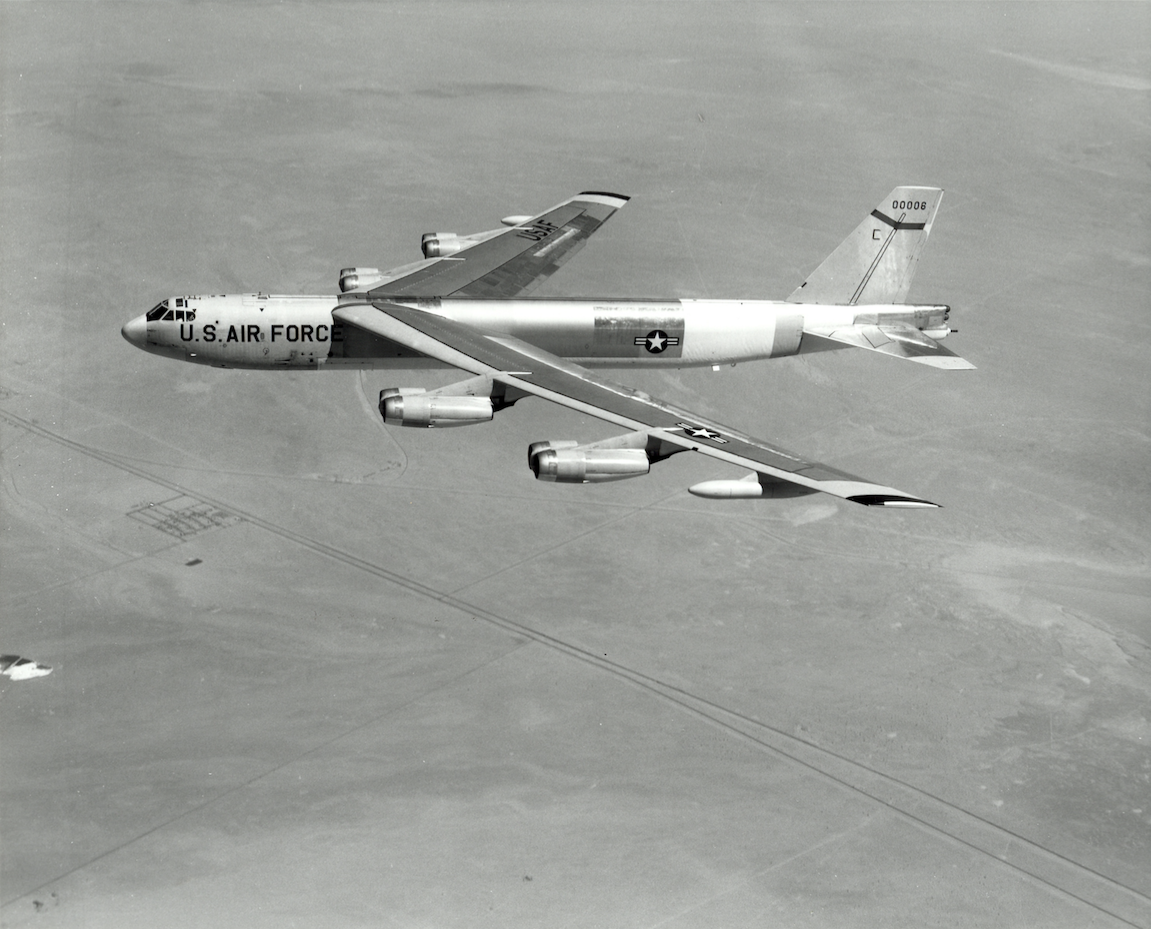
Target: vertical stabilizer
[[875, 264]]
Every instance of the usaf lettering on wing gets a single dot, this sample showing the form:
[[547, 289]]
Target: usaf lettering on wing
[[537, 231]]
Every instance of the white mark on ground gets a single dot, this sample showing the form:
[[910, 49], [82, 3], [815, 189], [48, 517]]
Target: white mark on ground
[[1076, 73]]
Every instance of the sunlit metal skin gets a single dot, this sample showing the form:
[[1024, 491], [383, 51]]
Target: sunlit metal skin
[[621, 456], [430, 411], [589, 465], [262, 330]]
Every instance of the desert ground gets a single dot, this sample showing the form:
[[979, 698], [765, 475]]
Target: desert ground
[[312, 670]]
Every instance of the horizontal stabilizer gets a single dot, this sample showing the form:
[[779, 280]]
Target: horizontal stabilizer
[[901, 341]]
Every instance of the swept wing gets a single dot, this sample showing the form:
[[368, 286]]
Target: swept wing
[[510, 263], [520, 365]]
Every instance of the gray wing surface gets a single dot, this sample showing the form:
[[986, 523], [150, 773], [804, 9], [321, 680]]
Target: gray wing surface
[[514, 262], [524, 366]]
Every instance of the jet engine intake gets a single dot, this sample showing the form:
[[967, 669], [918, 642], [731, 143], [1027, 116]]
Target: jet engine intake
[[587, 465], [439, 244], [536, 447], [354, 278], [414, 407]]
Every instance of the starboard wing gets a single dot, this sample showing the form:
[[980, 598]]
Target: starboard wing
[[511, 263], [521, 365]]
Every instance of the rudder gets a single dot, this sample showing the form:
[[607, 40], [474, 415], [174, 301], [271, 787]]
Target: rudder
[[876, 263]]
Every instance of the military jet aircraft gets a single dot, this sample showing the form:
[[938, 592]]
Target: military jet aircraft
[[463, 306]]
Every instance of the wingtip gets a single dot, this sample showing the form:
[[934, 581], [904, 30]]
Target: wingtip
[[893, 501], [945, 362], [603, 193]]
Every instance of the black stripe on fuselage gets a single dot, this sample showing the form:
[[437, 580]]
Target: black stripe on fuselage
[[895, 224]]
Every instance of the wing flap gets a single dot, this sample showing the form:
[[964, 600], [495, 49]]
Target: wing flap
[[522, 365]]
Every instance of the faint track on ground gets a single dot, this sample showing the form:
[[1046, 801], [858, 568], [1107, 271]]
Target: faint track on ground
[[377, 419], [933, 815], [267, 772]]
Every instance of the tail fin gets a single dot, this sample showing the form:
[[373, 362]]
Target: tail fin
[[875, 264]]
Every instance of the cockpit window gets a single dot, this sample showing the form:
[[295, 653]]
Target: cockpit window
[[162, 312]]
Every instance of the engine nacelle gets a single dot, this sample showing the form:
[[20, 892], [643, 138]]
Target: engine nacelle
[[354, 278], [574, 465], [413, 407], [439, 244]]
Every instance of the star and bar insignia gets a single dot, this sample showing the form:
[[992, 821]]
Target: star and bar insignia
[[701, 432], [656, 341]]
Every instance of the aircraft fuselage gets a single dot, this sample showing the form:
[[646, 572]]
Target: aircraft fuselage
[[278, 331]]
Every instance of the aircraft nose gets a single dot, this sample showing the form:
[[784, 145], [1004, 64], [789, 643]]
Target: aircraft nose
[[135, 331]]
